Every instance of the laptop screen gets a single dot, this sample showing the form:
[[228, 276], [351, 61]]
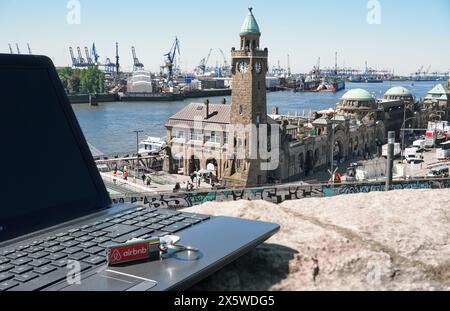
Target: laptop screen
[[45, 179]]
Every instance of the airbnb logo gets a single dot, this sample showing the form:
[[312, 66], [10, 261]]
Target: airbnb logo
[[134, 252], [122, 254]]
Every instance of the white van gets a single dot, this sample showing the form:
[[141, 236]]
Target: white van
[[419, 145], [412, 155]]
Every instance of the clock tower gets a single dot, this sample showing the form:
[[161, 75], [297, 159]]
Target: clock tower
[[249, 103]]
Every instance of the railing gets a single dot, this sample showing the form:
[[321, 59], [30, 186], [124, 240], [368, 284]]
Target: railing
[[274, 194]]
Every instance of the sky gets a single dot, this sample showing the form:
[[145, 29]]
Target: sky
[[404, 36]]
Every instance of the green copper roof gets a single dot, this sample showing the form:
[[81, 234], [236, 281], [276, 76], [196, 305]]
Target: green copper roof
[[358, 94], [439, 89], [398, 91], [250, 25]]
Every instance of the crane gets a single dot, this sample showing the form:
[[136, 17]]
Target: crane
[[428, 70], [10, 48], [136, 63], [81, 61], [18, 50], [88, 56], [29, 49], [74, 60], [316, 69], [171, 57], [117, 58], [204, 62], [289, 65], [226, 67], [95, 55]]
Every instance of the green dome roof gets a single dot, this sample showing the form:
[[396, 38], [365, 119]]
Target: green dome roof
[[398, 91], [250, 25], [358, 94]]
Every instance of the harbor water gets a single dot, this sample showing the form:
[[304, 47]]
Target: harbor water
[[109, 127]]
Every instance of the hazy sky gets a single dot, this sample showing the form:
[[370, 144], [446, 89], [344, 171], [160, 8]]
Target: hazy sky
[[411, 33]]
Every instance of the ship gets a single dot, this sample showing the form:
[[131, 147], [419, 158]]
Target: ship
[[334, 85]]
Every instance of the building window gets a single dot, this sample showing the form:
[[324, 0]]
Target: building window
[[212, 137], [178, 133], [197, 135], [225, 138]]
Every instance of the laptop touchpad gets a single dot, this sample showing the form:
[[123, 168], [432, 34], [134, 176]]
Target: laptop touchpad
[[107, 281]]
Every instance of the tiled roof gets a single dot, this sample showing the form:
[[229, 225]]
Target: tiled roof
[[218, 113]]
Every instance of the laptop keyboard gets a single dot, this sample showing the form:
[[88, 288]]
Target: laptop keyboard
[[43, 262]]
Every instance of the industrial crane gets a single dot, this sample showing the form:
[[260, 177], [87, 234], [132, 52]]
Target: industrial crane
[[18, 50], [169, 62], [10, 48], [29, 49], [117, 58], [72, 56], [81, 61], [88, 57], [226, 67], [137, 65], [95, 55], [204, 62]]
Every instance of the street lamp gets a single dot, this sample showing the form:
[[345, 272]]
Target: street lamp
[[137, 152], [403, 135]]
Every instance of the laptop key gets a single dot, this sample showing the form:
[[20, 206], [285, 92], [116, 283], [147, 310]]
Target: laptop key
[[60, 263], [8, 285], [70, 243], [87, 245], [101, 240], [119, 227], [21, 269], [55, 249], [16, 255], [21, 261], [39, 263], [72, 250], [7, 252], [176, 227], [38, 255], [65, 239], [95, 250], [97, 234], [6, 267], [34, 249], [5, 276], [78, 256], [156, 227], [4, 260], [166, 222], [56, 256], [135, 234], [78, 234], [95, 260], [85, 238], [44, 269], [49, 244], [26, 277]]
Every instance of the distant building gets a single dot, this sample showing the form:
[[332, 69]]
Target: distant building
[[204, 137], [439, 98], [140, 82]]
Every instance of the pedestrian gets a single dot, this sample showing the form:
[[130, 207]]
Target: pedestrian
[[191, 187], [177, 187], [149, 181], [125, 175], [199, 181], [114, 177], [143, 178]]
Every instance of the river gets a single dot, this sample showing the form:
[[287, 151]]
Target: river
[[109, 126]]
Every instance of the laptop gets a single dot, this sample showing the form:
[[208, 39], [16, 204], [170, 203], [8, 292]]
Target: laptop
[[56, 210]]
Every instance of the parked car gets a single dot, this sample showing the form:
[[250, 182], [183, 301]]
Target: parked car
[[439, 172]]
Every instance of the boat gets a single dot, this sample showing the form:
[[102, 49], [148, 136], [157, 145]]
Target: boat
[[152, 145], [331, 86]]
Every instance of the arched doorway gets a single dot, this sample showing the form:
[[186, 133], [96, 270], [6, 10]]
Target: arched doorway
[[212, 166], [194, 165]]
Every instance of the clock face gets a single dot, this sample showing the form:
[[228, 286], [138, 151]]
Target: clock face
[[258, 67], [243, 67]]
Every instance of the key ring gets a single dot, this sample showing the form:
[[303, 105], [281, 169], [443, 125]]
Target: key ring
[[182, 248]]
